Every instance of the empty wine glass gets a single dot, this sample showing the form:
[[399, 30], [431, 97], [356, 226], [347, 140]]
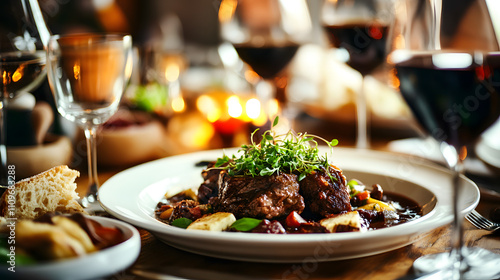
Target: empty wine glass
[[88, 74], [359, 30], [23, 36], [448, 71], [266, 35]]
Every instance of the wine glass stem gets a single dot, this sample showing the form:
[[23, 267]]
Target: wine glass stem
[[277, 90], [90, 135], [362, 141], [3, 145], [457, 238]]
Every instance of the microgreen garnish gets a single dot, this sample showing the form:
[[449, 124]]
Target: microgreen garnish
[[287, 153]]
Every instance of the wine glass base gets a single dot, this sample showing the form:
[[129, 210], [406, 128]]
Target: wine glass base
[[479, 264]]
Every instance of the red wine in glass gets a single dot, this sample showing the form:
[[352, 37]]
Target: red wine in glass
[[268, 60], [365, 42], [453, 96]]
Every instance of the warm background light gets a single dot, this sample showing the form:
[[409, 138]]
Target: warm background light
[[178, 104], [234, 107], [252, 108]]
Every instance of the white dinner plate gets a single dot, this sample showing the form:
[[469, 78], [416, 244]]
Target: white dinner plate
[[102, 263], [488, 147], [132, 195]]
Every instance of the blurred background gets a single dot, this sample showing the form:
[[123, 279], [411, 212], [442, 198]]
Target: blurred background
[[189, 91]]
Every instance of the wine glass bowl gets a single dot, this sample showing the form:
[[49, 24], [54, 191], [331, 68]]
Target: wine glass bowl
[[451, 93], [22, 71], [359, 30], [451, 82], [91, 76], [88, 74]]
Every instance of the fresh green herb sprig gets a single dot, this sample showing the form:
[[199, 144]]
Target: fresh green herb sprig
[[182, 222], [245, 224], [286, 153]]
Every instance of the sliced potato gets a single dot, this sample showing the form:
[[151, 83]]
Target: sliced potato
[[74, 230], [350, 221], [214, 222], [377, 205], [46, 241]]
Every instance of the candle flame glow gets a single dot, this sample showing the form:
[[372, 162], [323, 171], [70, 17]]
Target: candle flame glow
[[178, 104], [252, 108], [234, 107], [76, 71], [172, 72]]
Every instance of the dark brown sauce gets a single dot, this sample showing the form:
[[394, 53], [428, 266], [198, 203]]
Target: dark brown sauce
[[406, 210]]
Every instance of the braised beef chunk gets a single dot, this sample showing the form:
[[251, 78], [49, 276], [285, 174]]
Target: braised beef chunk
[[310, 227], [261, 197], [323, 196], [377, 192], [186, 209], [209, 188], [371, 216], [267, 226]]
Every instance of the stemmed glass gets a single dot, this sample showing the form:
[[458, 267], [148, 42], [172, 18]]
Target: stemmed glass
[[23, 35], [451, 82], [359, 30], [88, 74], [266, 35]]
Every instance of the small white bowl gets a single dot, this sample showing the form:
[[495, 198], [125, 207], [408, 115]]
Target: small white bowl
[[98, 264]]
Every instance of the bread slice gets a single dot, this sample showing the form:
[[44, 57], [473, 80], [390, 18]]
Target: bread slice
[[49, 191]]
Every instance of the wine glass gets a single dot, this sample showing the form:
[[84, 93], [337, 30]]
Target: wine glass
[[359, 30], [87, 75], [23, 35], [448, 71], [266, 34]]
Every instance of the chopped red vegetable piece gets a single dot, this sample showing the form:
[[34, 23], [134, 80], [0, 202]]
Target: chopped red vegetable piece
[[363, 195], [294, 219]]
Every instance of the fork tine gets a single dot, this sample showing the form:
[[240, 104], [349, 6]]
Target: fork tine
[[474, 215], [483, 219], [474, 221], [477, 222], [481, 222]]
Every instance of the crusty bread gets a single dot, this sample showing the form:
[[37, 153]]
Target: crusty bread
[[49, 191]]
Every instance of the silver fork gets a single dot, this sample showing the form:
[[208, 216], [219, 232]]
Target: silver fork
[[481, 222]]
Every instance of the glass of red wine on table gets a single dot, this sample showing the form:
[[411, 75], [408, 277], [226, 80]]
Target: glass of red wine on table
[[450, 79], [358, 30], [266, 34]]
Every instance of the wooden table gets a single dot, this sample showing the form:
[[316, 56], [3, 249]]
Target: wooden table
[[160, 261]]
